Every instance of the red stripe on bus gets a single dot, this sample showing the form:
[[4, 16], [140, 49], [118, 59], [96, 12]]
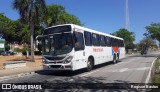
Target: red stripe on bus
[[115, 49]]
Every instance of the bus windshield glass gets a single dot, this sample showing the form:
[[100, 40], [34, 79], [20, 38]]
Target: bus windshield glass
[[58, 29], [57, 44]]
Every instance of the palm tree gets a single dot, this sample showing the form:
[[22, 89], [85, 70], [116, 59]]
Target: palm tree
[[30, 11]]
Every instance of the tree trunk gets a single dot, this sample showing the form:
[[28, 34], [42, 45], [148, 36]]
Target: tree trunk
[[27, 53], [31, 38]]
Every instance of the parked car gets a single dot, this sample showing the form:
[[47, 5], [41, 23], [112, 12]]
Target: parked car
[[7, 53], [1, 52], [143, 52]]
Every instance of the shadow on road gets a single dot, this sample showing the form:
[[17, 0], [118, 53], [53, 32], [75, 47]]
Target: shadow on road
[[88, 84], [60, 73]]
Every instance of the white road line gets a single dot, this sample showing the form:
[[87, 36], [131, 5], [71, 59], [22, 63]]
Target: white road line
[[89, 73], [149, 74]]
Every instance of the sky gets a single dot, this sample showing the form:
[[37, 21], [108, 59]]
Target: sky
[[107, 16]]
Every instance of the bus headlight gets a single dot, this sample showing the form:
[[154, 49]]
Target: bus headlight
[[68, 60], [45, 61]]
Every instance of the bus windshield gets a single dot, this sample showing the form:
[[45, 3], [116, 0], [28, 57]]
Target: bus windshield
[[57, 44]]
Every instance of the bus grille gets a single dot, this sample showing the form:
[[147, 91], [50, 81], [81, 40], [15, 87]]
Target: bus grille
[[55, 66], [54, 58]]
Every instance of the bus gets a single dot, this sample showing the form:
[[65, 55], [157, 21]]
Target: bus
[[73, 47]]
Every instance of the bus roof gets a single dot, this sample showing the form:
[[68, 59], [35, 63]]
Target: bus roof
[[87, 29]]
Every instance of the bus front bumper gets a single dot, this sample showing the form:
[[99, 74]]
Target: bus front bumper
[[57, 67]]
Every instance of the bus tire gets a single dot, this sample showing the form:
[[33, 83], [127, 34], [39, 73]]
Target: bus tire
[[114, 59], [89, 64], [117, 58]]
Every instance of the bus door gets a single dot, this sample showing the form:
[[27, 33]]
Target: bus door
[[79, 49]]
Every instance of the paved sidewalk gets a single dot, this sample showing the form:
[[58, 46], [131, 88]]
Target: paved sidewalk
[[30, 66]]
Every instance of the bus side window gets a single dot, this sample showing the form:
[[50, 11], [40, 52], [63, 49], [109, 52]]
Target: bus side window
[[108, 41], [118, 42], [95, 39], [112, 42], [102, 40], [79, 41], [88, 40], [122, 42]]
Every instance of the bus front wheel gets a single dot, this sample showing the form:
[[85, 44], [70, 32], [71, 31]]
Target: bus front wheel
[[89, 64]]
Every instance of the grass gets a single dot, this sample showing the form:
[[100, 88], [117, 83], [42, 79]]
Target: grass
[[156, 75], [156, 78]]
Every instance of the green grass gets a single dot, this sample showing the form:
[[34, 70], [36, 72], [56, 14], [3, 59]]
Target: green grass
[[156, 78]]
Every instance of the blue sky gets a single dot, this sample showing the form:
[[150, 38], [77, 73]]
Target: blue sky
[[104, 15]]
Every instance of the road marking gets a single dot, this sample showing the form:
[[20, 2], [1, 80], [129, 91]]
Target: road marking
[[89, 73], [143, 68], [118, 70], [127, 69], [70, 80], [149, 74], [124, 69]]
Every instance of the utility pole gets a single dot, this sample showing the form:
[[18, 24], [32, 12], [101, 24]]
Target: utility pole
[[127, 25]]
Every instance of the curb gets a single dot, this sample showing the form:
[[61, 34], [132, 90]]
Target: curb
[[150, 70], [15, 76]]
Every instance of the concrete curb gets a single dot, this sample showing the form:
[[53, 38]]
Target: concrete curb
[[150, 70], [18, 72]]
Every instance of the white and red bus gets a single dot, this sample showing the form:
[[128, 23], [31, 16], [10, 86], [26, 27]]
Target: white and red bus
[[72, 47]]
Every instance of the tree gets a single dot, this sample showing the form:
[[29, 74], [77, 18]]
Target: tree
[[4, 23], [56, 14], [71, 19], [30, 12], [6, 28], [128, 37], [154, 31], [146, 43]]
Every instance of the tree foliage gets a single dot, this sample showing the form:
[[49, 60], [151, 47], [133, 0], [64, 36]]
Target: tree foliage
[[147, 42], [19, 31], [6, 25], [30, 12], [13, 30], [56, 14], [128, 37], [154, 31]]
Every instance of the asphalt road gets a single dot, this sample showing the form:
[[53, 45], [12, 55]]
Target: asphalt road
[[132, 69]]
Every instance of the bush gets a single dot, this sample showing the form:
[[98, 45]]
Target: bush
[[17, 50]]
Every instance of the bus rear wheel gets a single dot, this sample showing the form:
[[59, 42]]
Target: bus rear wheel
[[117, 58], [114, 59], [89, 64]]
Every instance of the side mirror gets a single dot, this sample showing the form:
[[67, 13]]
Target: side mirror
[[39, 42]]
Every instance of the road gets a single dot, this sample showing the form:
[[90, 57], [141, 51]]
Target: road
[[132, 69]]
